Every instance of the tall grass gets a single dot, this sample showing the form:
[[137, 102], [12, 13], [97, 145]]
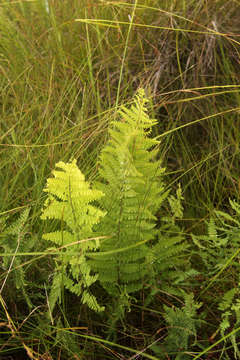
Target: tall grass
[[65, 68]]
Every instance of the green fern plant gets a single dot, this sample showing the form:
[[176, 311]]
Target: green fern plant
[[131, 180], [219, 250], [69, 201], [131, 177], [182, 324], [230, 317], [13, 239], [222, 241], [170, 249]]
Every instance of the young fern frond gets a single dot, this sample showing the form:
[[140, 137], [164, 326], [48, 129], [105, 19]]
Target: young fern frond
[[69, 198]]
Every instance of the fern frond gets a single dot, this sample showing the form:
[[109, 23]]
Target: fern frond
[[17, 226], [131, 179], [13, 240], [182, 324], [69, 198], [230, 317], [222, 240], [56, 291], [176, 204]]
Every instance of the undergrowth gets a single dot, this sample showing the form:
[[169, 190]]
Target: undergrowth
[[69, 77]]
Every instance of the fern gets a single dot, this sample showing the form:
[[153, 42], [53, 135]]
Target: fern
[[13, 240], [218, 250], [134, 250], [69, 198], [222, 242], [182, 326], [131, 179], [230, 317], [170, 247]]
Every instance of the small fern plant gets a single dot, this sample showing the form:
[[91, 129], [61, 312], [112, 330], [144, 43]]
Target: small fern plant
[[69, 201], [220, 247], [127, 195], [182, 324], [13, 239], [230, 319], [220, 250]]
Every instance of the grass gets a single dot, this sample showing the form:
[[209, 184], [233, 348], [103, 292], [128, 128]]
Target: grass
[[64, 72]]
